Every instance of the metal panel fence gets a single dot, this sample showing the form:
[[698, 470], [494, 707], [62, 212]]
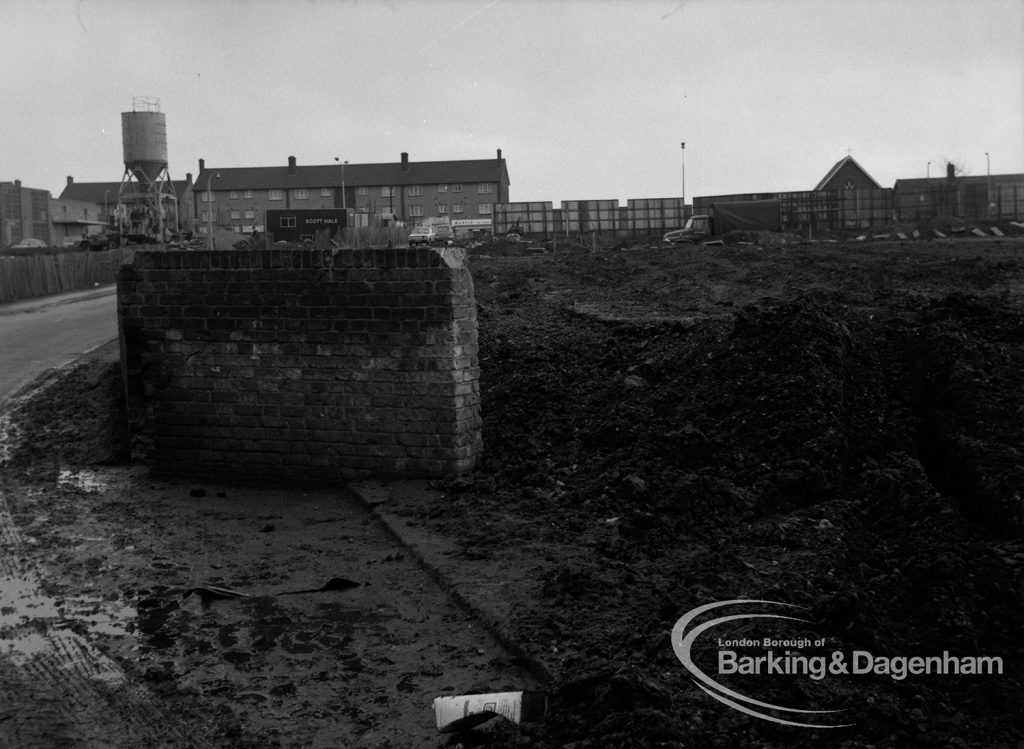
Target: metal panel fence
[[968, 198], [640, 218], [654, 215], [814, 211], [535, 219], [583, 216]]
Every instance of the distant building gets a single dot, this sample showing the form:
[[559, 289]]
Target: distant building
[[999, 196], [408, 191], [847, 174], [24, 214]]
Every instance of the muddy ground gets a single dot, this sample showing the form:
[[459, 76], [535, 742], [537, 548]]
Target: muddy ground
[[834, 426]]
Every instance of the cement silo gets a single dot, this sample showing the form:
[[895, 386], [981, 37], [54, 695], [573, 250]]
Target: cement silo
[[147, 208]]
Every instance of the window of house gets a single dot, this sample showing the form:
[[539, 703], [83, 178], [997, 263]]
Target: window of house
[[363, 191], [300, 193], [250, 213], [442, 210], [416, 211], [206, 197], [236, 214], [326, 192], [247, 194], [275, 194], [458, 208], [485, 188], [287, 222], [485, 209], [414, 190], [442, 188], [233, 195], [456, 187], [387, 192]]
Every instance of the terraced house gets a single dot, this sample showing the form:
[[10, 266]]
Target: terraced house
[[373, 194]]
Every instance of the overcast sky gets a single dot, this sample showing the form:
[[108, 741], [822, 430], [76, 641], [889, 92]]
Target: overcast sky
[[587, 99]]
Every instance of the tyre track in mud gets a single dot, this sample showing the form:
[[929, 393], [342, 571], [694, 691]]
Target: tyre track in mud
[[56, 687]]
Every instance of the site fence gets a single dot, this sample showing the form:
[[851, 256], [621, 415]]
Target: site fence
[[966, 197], [819, 211], [638, 219], [27, 276]]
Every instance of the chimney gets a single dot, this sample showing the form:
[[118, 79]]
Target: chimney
[[71, 180], [17, 184], [188, 178], [292, 169], [950, 170], [499, 154], [202, 165], [405, 161]]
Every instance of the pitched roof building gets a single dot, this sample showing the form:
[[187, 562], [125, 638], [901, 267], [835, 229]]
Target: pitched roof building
[[847, 174], [404, 190]]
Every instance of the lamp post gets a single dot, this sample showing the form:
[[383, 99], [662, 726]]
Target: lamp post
[[344, 207], [988, 185], [209, 210], [928, 171], [683, 175]]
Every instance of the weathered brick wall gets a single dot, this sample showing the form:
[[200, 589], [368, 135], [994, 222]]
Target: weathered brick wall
[[302, 365]]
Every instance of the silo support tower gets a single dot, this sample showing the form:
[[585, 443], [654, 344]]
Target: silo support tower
[[147, 209]]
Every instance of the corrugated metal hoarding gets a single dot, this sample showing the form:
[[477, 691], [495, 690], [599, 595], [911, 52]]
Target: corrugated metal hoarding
[[590, 215], [818, 210], [655, 215], [532, 218]]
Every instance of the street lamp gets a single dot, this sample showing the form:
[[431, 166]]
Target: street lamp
[[928, 171], [988, 185], [343, 206], [683, 146], [209, 210]]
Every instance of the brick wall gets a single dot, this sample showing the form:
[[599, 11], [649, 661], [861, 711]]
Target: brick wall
[[301, 365]]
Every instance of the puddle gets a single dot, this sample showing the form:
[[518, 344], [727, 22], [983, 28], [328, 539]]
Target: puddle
[[21, 600], [86, 481]]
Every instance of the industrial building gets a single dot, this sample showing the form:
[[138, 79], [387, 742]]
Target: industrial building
[[373, 194], [24, 214], [996, 196]]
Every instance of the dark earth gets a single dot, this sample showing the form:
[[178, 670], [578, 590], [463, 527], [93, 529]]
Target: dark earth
[[835, 426]]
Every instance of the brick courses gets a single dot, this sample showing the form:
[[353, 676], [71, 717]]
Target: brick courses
[[301, 365]]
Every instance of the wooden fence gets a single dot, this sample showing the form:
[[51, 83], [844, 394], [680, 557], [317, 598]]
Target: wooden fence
[[27, 276]]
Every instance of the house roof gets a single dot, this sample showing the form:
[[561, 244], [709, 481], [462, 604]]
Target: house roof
[[839, 165], [356, 175], [106, 192]]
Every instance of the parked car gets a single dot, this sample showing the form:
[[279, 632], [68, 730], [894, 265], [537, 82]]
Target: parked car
[[100, 241], [28, 244], [422, 235], [444, 233]]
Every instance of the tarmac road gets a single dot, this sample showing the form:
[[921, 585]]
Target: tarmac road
[[38, 334]]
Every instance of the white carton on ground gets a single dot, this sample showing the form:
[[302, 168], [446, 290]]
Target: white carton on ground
[[467, 710]]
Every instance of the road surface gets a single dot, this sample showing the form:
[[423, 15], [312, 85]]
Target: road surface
[[38, 334]]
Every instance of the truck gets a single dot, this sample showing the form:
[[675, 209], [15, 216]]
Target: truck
[[722, 218]]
